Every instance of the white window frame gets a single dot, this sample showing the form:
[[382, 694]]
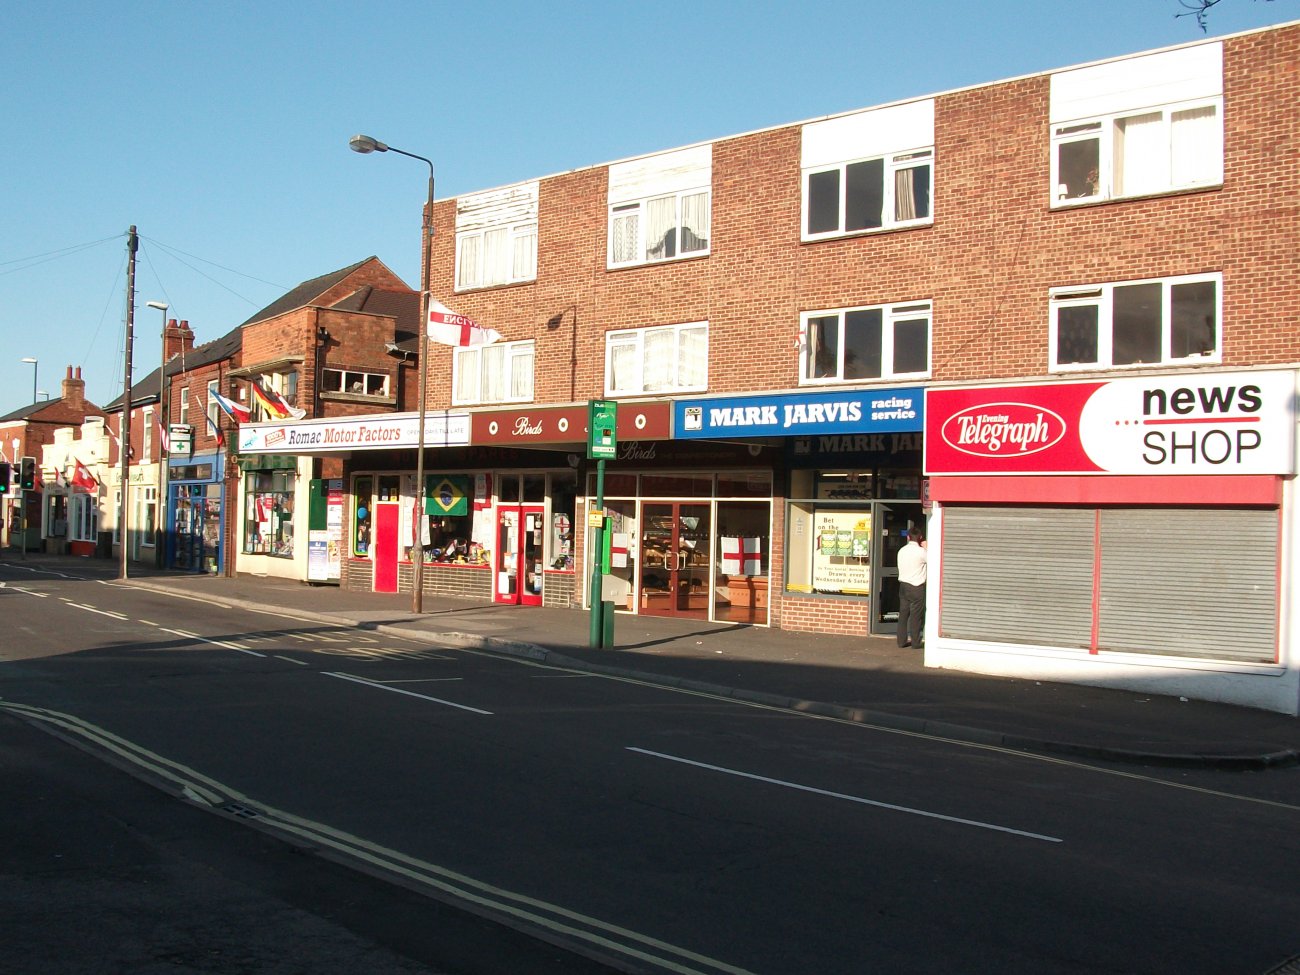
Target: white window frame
[[636, 211], [212, 410], [507, 220], [1101, 296], [350, 377], [146, 439], [117, 522], [893, 163], [83, 518], [469, 381], [1103, 129], [892, 315], [184, 412], [640, 383]]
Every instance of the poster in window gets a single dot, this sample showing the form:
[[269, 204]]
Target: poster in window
[[842, 554]]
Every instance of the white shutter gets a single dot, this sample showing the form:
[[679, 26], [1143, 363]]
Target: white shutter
[[1018, 575], [1130, 84], [1189, 582], [877, 132], [666, 172], [497, 208]]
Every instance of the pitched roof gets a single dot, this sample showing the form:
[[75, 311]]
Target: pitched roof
[[26, 412], [304, 293]]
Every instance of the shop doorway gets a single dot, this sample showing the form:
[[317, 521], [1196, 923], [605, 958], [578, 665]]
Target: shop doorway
[[675, 577], [387, 521], [891, 521], [198, 527], [520, 540]]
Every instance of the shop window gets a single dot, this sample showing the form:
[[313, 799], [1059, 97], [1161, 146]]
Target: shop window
[[355, 382], [496, 237], [83, 518], [268, 513], [662, 359], [56, 516], [564, 490], [362, 516], [498, 373], [1137, 126], [855, 344], [1135, 323]]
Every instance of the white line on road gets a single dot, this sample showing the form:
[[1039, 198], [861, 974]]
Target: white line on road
[[215, 643], [300, 663], [397, 690], [101, 612], [31, 592], [841, 795]]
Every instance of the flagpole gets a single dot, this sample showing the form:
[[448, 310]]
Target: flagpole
[[417, 550], [124, 434]]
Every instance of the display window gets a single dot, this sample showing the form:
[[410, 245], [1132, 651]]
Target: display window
[[268, 513], [361, 517]]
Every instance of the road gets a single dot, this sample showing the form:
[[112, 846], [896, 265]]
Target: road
[[660, 830]]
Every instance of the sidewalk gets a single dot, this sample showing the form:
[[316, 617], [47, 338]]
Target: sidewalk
[[865, 679]]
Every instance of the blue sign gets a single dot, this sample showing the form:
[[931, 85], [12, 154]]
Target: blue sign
[[885, 410]]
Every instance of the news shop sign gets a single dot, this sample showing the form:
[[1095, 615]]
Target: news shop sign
[[1198, 423]]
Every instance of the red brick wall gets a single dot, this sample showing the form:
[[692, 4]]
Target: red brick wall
[[988, 261]]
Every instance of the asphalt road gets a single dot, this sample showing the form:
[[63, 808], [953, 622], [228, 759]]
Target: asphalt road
[[660, 829]]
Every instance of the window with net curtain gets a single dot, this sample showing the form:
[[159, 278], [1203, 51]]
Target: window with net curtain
[[497, 373], [664, 359], [660, 228]]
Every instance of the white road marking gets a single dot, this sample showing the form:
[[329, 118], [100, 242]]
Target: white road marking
[[840, 795], [215, 643], [397, 690], [101, 612], [32, 592], [300, 663]]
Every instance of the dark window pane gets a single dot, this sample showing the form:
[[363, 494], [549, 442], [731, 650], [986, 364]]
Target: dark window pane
[[911, 345], [1193, 319], [912, 193], [823, 347], [1077, 167], [824, 202], [1135, 324], [864, 195], [1076, 334], [862, 344]]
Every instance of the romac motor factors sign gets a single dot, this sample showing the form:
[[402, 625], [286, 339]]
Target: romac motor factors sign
[[893, 410], [376, 432], [1199, 423], [566, 425]]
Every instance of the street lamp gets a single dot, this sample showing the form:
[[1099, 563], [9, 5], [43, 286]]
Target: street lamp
[[365, 145], [35, 367], [160, 503]]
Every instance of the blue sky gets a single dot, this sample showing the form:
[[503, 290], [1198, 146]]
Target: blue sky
[[220, 129]]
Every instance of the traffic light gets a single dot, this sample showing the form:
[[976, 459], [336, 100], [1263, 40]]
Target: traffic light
[[27, 479], [5, 477]]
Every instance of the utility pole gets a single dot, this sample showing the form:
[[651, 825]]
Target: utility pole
[[132, 245]]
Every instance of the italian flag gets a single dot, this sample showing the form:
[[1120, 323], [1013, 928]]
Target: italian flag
[[449, 328]]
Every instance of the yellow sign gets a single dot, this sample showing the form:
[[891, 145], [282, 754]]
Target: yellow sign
[[595, 518]]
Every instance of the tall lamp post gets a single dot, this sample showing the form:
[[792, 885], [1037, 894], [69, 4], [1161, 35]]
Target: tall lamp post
[[160, 504], [35, 367], [365, 144]]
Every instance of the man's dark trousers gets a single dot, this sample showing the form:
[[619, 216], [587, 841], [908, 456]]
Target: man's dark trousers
[[911, 614]]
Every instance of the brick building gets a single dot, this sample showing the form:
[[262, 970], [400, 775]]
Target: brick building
[[821, 335]]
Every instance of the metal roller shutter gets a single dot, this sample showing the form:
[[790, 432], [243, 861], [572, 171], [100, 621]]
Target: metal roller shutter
[[1189, 583], [1018, 575]]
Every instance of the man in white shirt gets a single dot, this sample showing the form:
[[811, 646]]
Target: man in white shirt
[[911, 589]]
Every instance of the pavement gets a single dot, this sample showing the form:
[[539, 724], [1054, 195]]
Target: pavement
[[865, 679]]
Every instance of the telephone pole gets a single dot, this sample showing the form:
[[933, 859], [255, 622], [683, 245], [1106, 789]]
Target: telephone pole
[[124, 433]]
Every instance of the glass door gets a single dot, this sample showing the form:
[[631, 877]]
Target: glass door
[[674, 560], [507, 555], [891, 519], [531, 555]]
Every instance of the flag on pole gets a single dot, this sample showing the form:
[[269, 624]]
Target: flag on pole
[[216, 429], [82, 478], [236, 411], [449, 328], [162, 433], [274, 404]]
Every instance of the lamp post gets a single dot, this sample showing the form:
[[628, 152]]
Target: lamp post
[[35, 367], [365, 145], [160, 504]]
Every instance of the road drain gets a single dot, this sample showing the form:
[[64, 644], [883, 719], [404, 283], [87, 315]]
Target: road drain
[[242, 811]]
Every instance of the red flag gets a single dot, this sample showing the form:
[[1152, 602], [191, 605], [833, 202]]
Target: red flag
[[449, 328], [83, 479]]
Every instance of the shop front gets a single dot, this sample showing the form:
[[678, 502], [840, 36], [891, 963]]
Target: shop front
[[195, 508], [1132, 532], [844, 484]]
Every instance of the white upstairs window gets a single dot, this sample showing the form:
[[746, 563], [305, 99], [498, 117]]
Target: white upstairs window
[[496, 237], [498, 373], [661, 359], [1143, 125], [660, 207]]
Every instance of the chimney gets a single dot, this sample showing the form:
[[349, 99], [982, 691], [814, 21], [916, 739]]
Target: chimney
[[177, 339], [74, 391]]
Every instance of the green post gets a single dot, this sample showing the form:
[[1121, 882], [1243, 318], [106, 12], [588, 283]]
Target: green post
[[602, 444], [596, 638]]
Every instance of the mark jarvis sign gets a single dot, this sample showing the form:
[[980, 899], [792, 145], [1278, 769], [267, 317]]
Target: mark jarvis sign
[[1203, 423], [800, 414]]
